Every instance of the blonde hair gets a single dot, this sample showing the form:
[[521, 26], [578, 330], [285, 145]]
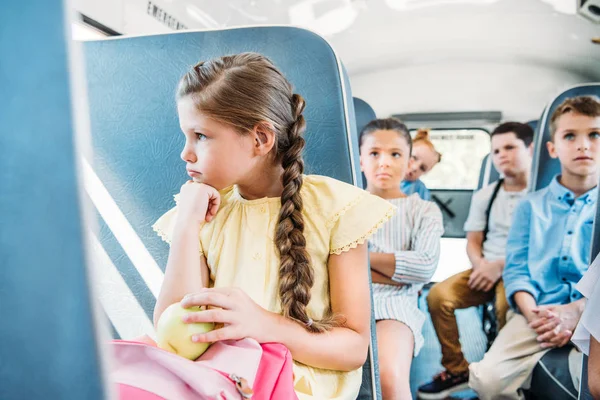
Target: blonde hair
[[584, 105], [422, 137], [243, 91]]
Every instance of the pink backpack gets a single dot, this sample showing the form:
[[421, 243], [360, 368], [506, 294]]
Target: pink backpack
[[240, 369]]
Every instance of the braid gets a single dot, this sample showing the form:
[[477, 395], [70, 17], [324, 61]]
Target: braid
[[296, 274]]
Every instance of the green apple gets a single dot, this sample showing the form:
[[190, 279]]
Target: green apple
[[175, 336]]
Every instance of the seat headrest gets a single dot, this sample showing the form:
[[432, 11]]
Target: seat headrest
[[487, 172], [136, 136], [364, 114], [42, 253], [544, 167]]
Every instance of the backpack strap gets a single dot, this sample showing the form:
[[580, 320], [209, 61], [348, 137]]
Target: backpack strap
[[488, 210]]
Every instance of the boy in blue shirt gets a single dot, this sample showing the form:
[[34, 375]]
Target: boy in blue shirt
[[547, 252]]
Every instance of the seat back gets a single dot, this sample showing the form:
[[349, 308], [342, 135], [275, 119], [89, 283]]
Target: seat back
[[137, 142], [364, 114], [534, 123], [47, 335], [551, 378], [544, 167], [584, 389], [487, 173]]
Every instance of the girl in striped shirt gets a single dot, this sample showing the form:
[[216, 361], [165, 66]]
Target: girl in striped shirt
[[404, 253]]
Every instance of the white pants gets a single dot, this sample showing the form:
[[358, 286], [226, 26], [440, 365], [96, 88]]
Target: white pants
[[507, 366]]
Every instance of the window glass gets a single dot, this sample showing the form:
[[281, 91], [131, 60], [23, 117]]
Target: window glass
[[462, 151]]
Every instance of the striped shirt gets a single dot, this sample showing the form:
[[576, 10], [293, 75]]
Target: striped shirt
[[413, 236]]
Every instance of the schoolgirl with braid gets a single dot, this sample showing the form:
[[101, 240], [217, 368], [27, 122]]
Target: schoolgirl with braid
[[278, 256]]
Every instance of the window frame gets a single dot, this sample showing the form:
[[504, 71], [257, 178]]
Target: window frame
[[92, 24]]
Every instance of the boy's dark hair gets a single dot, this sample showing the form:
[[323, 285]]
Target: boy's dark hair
[[584, 105], [523, 132]]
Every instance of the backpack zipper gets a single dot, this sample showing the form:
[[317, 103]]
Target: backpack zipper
[[242, 386]]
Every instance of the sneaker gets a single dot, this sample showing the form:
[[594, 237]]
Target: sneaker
[[443, 385]]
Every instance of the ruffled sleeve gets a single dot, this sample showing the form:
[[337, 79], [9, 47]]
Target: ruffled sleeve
[[165, 225], [352, 214]]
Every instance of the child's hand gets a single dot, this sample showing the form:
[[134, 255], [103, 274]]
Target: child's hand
[[484, 277], [555, 324], [198, 202], [241, 316]]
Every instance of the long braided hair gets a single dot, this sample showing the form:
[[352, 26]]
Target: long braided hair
[[243, 91]]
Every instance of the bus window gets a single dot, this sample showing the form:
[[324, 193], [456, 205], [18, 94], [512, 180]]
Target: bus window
[[462, 152]]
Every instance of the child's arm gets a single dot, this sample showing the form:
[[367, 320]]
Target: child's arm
[[516, 271], [376, 277], [383, 263], [475, 247], [187, 270], [342, 348], [526, 304], [419, 264], [475, 225], [485, 273]]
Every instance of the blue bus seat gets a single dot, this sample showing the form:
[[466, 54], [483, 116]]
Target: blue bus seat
[[487, 173], [48, 333], [137, 141], [364, 113], [551, 378], [543, 170], [584, 389], [534, 123]]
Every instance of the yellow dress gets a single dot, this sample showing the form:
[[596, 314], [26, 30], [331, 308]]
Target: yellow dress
[[240, 251]]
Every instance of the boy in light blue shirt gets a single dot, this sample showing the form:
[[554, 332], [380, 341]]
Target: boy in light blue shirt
[[547, 252]]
